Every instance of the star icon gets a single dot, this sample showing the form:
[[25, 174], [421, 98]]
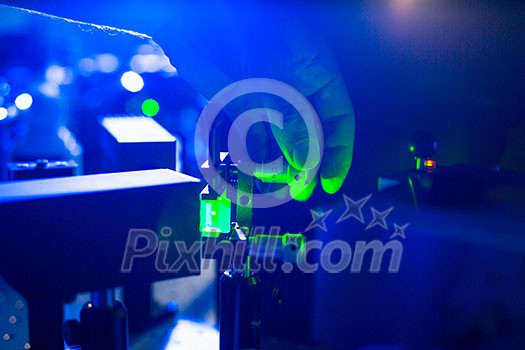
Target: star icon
[[379, 218], [353, 208], [292, 241], [399, 231], [318, 220]]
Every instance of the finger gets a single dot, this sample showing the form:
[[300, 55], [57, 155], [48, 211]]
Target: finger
[[318, 77], [300, 146], [303, 185], [301, 182], [260, 144], [336, 112], [335, 167]]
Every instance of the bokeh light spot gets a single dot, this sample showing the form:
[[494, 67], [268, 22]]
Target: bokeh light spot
[[24, 101], [132, 81], [150, 107], [3, 113]]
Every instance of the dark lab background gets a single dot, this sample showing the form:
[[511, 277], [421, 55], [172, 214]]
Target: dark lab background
[[454, 68]]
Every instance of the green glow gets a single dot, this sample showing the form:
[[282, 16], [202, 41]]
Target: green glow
[[215, 217], [297, 238], [412, 148], [413, 192], [332, 185], [301, 191], [267, 174], [150, 107]]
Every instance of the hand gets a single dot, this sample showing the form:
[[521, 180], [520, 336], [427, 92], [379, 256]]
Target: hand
[[216, 46]]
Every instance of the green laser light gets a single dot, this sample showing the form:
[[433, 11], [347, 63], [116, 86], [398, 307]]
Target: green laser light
[[215, 216]]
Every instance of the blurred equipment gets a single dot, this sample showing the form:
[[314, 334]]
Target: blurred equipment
[[16, 333], [137, 143], [75, 232], [455, 186], [132, 143], [422, 146], [103, 324], [226, 222], [40, 169], [465, 223]]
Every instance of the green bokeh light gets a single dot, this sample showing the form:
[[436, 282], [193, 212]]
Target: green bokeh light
[[150, 107]]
